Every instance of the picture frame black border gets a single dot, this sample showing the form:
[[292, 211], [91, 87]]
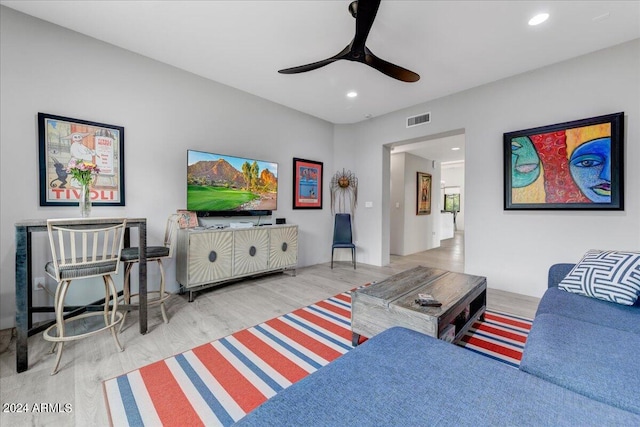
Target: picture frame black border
[[43, 160], [419, 176], [297, 160], [617, 165]]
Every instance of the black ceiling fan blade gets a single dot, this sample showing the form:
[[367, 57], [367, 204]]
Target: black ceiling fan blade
[[307, 67], [391, 70], [314, 65], [366, 11]]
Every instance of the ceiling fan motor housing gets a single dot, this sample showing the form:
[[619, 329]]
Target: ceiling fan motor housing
[[353, 8]]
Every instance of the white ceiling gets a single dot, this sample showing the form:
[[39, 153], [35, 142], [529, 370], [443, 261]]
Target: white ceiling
[[453, 45], [446, 149]]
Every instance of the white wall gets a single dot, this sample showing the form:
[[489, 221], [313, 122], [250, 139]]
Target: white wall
[[371, 163], [396, 205], [453, 176], [345, 156], [411, 233], [165, 111], [514, 249], [45, 68]]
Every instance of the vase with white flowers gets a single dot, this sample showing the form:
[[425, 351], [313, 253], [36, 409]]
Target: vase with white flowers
[[85, 173]]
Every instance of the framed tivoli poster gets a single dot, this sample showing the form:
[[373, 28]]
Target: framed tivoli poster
[[568, 166], [62, 139]]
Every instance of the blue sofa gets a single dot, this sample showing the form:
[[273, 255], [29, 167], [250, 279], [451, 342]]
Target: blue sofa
[[586, 345], [579, 368]]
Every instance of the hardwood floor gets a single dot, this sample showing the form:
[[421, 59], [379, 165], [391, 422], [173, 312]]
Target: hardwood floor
[[450, 256], [214, 313]]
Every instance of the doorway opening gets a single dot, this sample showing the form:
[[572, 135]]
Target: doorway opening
[[434, 236]]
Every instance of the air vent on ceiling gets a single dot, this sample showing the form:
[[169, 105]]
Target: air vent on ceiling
[[418, 120]]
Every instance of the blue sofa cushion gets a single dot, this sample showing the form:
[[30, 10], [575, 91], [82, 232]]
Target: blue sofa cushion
[[557, 272], [404, 378], [592, 310], [593, 360], [608, 275]]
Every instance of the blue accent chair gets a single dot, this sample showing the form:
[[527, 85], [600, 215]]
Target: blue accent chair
[[342, 236]]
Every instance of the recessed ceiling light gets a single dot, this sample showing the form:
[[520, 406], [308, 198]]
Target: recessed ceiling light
[[455, 148], [538, 19], [352, 94]]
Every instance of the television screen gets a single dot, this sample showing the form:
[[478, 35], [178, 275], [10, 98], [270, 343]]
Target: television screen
[[228, 185]]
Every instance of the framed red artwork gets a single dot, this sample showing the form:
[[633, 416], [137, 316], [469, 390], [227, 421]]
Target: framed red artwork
[[566, 166], [307, 184]]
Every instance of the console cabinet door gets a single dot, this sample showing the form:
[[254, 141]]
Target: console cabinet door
[[283, 247], [251, 251], [210, 257]]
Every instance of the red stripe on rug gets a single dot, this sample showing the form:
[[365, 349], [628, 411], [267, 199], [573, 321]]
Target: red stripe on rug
[[171, 405], [166, 395], [500, 332], [344, 297], [341, 331], [496, 348], [335, 309], [305, 340], [246, 395], [272, 357], [508, 320]]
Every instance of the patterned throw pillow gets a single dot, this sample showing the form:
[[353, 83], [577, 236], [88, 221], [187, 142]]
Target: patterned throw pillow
[[608, 275]]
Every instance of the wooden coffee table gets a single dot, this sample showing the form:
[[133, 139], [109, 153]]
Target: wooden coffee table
[[392, 303]]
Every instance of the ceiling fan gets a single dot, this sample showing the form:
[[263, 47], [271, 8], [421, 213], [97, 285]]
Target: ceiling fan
[[365, 13]]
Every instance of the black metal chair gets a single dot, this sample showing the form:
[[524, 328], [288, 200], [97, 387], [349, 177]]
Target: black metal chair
[[342, 236], [130, 257]]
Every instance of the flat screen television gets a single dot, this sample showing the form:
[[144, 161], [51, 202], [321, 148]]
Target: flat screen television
[[220, 185]]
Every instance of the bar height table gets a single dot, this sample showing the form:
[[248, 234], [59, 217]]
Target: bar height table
[[24, 278]]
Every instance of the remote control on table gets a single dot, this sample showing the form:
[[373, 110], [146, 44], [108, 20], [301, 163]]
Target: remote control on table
[[427, 300]]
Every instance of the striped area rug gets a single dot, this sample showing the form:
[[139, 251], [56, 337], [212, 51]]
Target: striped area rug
[[500, 336], [219, 382]]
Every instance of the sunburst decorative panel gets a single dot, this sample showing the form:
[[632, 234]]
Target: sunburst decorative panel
[[206, 257], [211, 257], [283, 248], [251, 251]]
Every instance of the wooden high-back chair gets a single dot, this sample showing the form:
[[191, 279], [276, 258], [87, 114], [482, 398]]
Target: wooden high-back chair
[[83, 250]]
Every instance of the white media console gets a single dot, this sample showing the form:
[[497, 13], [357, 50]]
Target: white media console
[[207, 257]]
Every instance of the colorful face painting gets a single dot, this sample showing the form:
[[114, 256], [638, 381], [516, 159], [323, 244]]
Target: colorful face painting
[[590, 166], [525, 162], [563, 167]]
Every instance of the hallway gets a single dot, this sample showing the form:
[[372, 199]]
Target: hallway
[[449, 256]]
